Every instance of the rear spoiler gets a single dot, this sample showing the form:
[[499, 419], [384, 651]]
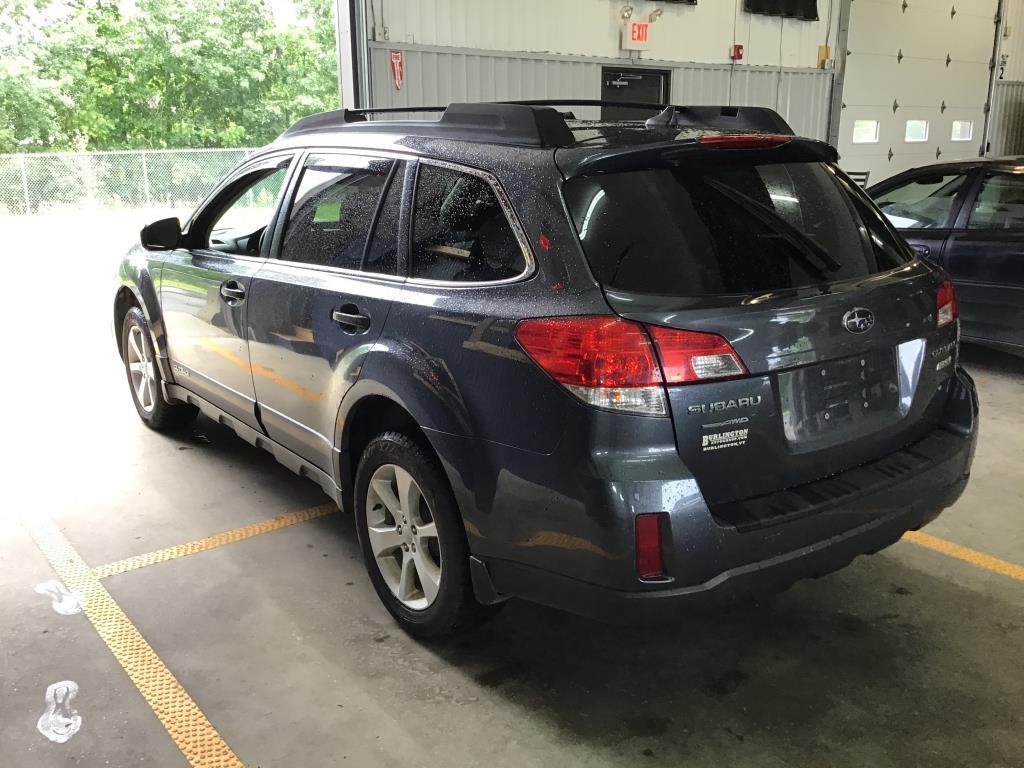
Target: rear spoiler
[[752, 147]]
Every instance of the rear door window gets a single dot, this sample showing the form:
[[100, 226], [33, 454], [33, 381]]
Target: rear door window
[[460, 231], [728, 228], [924, 202], [1000, 203], [333, 210]]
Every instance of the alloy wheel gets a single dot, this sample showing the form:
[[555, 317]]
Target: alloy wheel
[[403, 537], [140, 370]]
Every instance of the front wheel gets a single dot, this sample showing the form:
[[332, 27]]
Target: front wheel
[[412, 539], [144, 377]]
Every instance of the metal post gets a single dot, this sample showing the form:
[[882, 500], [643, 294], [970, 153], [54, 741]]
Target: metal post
[[997, 43], [347, 44], [835, 114], [24, 186], [145, 178]]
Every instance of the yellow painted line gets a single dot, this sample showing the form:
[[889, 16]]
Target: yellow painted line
[[195, 736], [972, 556], [212, 542]]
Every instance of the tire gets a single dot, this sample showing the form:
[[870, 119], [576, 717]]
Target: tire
[[144, 379], [408, 597]]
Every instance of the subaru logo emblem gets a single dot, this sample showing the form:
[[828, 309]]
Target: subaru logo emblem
[[859, 320]]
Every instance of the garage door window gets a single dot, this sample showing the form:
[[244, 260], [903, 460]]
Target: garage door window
[[963, 130], [922, 203], [1000, 203], [916, 131], [865, 131]]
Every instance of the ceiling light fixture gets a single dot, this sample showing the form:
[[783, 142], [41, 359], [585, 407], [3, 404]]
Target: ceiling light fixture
[[655, 15], [626, 12]]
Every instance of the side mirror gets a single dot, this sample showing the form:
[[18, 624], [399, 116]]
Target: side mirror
[[162, 235]]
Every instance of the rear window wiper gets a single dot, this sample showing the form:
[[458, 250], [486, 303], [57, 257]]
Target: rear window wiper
[[792, 235]]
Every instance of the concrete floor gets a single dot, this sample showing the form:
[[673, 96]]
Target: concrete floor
[[905, 658]]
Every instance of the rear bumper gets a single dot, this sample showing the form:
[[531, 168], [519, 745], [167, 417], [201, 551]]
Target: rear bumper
[[714, 565]]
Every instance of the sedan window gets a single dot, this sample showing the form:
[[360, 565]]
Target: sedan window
[[1000, 203], [923, 202]]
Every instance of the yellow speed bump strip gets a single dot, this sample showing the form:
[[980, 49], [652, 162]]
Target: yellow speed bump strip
[[198, 740], [211, 542], [966, 554]]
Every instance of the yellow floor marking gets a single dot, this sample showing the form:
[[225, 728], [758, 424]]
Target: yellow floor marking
[[211, 542], [195, 736], [971, 556]]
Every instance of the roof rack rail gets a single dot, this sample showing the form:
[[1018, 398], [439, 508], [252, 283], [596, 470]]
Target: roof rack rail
[[493, 122], [533, 122]]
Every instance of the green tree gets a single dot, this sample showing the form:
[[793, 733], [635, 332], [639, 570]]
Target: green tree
[[171, 73]]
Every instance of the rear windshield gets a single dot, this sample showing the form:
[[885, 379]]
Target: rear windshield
[[703, 229]]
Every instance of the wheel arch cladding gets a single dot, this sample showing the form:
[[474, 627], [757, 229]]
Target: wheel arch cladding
[[124, 300], [368, 417]]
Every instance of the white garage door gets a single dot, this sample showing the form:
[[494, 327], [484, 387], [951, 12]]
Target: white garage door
[[917, 77]]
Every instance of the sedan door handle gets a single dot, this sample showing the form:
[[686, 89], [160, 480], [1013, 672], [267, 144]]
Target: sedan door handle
[[921, 250], [351, 321], [232, 291]]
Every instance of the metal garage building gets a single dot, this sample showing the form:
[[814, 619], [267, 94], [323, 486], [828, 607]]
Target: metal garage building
[[893, 83]]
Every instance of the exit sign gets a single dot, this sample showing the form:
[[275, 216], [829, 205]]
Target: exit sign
[[636, 35]]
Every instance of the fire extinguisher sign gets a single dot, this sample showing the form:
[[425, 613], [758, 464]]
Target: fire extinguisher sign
[[397, 69]]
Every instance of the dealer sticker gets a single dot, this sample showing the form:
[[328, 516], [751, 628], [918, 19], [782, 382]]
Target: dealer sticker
[[718, 440]]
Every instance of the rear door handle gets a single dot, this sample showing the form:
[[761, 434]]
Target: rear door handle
[[349, 318], [232, 291]]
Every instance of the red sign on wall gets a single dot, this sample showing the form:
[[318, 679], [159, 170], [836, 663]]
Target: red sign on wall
[[397, 69], [635, 35]]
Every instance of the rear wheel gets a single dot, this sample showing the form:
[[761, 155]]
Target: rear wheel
[[144, 378], [412, 539]]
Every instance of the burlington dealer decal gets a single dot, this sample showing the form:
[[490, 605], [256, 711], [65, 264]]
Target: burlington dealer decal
[[718, 440]]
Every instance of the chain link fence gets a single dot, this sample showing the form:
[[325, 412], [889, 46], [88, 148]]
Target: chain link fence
[[171, 178]]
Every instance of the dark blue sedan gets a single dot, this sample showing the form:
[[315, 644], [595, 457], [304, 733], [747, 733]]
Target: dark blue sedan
[[968, 216]]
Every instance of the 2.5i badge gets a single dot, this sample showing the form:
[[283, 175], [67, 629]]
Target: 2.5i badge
[[718, 440]]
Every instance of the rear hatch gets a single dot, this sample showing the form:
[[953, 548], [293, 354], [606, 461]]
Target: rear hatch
[[833, 320]]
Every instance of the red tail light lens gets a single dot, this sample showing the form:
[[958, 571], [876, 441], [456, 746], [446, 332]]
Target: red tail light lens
[[603, 360], [691, 356], [610, 362], [744, 141], [648, 546], [946, 307]]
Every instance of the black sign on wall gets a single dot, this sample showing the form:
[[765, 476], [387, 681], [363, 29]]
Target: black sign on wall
[[796, 9]]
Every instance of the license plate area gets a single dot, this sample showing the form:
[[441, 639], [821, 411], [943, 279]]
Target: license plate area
[[837, 400]]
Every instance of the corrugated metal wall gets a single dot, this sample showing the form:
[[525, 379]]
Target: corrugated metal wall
[[591, 28], [1007, 130], [438, 75]]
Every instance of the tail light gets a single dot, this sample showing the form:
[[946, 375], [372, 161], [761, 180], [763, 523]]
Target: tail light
[[946, 307], [648, 546], [691, 356], [743, 141], [611, 363]]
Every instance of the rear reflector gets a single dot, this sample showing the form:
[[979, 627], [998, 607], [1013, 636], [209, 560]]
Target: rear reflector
[[744, 141], [648, 546], [690, 356], [947, 309], [603, 360]]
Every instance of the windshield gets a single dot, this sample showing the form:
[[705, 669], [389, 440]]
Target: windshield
[[724, 228]]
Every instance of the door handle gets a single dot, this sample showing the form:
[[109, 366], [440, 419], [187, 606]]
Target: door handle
[[921, 250], [232, 291], [351, 321]]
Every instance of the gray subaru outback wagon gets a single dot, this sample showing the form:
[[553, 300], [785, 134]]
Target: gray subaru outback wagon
[[621, 368]]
